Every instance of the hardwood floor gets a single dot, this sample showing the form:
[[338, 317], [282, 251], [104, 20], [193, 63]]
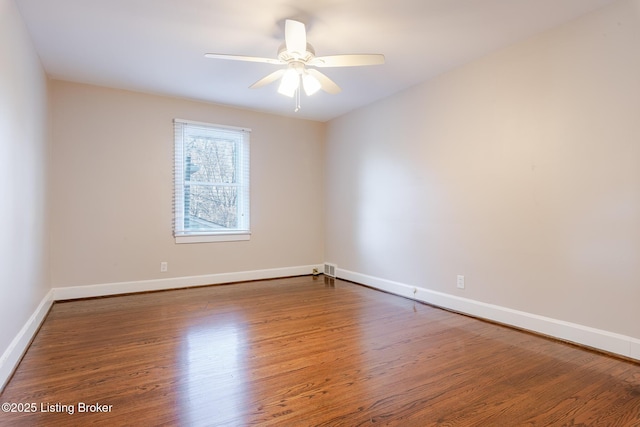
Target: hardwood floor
[[305, 351]]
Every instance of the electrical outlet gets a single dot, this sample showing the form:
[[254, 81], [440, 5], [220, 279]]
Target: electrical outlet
[[460, 281], [164, 266]]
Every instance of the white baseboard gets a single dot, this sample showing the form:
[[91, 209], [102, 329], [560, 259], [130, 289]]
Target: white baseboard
[[603, 340], [104, 289], [13, 354], [579, 334]]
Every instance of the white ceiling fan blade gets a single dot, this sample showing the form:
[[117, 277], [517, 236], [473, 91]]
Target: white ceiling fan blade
[[243, 58], [268, 79], [354, 60], [326, 83], [295, 37]]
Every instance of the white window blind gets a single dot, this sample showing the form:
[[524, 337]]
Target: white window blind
[[211, 188]]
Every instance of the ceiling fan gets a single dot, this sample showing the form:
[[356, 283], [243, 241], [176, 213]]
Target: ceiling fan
[[298, 55]]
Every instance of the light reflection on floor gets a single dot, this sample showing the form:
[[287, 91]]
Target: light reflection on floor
[[215, 388]]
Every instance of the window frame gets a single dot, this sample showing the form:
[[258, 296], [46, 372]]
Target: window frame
[[243, 232]]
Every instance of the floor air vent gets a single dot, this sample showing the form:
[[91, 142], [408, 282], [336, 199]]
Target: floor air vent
[[330, 269]]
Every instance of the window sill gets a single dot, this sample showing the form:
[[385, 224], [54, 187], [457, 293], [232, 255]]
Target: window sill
[[206, 238]]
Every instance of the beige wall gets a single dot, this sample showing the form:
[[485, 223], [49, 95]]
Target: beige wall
[[520, 171], [112, 163], [24, 280]]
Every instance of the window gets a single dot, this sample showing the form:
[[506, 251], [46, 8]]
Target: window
[[211, 192]]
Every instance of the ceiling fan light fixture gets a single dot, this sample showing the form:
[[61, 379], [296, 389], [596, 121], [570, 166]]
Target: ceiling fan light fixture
[[296, 54], [310, 84], [290, 83]]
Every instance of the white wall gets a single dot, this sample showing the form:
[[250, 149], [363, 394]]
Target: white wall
[[520, 171], [24, 280], [112, 189]]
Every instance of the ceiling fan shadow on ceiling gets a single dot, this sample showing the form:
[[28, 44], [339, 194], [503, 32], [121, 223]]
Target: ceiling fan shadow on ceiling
[[298, 55]]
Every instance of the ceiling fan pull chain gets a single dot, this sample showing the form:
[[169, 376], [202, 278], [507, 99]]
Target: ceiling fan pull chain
[[297, 100]]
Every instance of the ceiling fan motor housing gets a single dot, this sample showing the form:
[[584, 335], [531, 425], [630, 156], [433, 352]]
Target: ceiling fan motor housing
[[287, 56]]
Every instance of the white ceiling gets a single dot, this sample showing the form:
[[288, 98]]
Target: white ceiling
[[157, 46]]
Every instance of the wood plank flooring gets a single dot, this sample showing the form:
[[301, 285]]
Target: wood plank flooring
[[305, 351]]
